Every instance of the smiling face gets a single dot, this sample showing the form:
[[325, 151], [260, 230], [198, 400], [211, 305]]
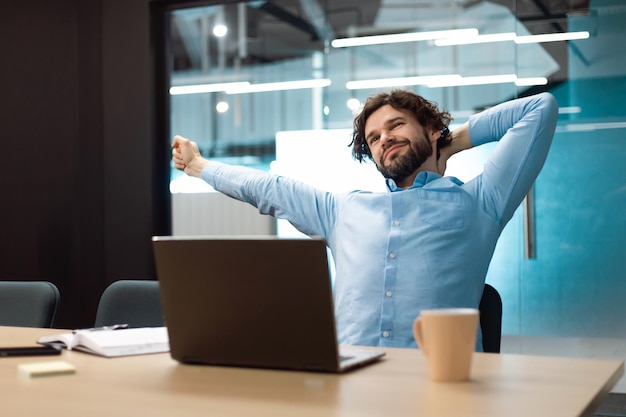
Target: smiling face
[[400, 146]]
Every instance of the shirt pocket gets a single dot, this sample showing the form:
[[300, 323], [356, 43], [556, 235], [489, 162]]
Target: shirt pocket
[[442, 209]]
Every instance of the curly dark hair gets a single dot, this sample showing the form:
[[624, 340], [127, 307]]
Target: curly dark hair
[[426, 113]]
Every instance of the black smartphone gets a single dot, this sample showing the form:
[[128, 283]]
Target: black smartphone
[[29, 351]]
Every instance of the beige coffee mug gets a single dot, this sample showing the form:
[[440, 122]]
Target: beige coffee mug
[[447, 336]]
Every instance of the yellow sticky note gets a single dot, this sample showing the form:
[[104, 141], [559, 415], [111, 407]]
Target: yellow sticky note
[[32, 370]]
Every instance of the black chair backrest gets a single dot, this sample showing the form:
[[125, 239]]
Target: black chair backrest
[[491, 319], [28, 303], [133, 302]]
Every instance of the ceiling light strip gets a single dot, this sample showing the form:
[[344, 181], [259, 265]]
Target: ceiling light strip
[[552, 37], [449, 80], [494, 37], [589, 127], [511, 36], [246, 87], [279, 86], [402, 37], [530, 81], [478, 80], [205, 88], [432, 81], [570, 110], [399, 81]]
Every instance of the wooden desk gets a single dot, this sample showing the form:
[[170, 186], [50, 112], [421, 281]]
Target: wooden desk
[[155, 385]]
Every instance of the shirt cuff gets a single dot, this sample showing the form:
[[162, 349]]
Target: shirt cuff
[[208, 172]]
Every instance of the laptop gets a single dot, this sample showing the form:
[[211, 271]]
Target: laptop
[[251, 301]]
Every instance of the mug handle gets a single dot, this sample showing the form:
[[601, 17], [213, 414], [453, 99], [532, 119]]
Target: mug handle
[[419, 338]]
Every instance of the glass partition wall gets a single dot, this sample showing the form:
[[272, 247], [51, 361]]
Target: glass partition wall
[[274, 85]]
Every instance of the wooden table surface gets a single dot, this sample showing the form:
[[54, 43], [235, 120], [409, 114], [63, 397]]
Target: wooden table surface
[[155, 385]]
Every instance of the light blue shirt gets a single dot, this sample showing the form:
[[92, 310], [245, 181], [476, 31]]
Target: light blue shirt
[[402, 251]]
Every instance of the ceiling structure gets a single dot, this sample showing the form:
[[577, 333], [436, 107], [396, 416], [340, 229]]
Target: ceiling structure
[[285, 29]]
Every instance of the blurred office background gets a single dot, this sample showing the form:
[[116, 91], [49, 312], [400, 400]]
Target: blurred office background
[[560, 264], [94, 90]]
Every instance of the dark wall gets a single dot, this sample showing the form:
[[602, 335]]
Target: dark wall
[[79, 174]]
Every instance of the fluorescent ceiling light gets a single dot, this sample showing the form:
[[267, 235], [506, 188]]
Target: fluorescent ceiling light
[[466, 40], [399, 81], [570, 110], [523, 82], [479, 80], [278, 86], [450, 80], [204, 88], [489, 79], [246, 87], [511, 36], [402, 37], [589, 127], [552, 37]]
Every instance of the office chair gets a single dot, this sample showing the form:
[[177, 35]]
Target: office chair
[[133, 302], [28, 303], [491, 319]]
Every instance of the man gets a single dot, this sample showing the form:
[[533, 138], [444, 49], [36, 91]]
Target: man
[[428, 241]]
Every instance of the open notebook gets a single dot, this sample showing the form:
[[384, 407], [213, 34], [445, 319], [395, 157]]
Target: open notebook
[[112, 343], [251, 301]]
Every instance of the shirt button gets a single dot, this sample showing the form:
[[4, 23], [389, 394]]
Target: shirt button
[[388, 293], [392, 255], [385, 334], [396, 223]]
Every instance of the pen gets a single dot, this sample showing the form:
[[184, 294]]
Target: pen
[[95, 329]]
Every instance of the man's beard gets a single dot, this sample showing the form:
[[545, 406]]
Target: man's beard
[[405, 165]]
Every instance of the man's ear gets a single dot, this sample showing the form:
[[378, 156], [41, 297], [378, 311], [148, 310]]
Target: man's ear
[[435, 135]]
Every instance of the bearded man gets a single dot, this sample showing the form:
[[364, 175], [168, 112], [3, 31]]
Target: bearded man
[[425, 243]]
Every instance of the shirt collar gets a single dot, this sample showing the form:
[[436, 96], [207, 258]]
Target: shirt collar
[[423, 178]]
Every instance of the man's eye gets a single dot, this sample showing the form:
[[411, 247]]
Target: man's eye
[[374, 139]]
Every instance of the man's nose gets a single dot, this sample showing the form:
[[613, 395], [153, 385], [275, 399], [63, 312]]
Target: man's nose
[[386, 138]]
